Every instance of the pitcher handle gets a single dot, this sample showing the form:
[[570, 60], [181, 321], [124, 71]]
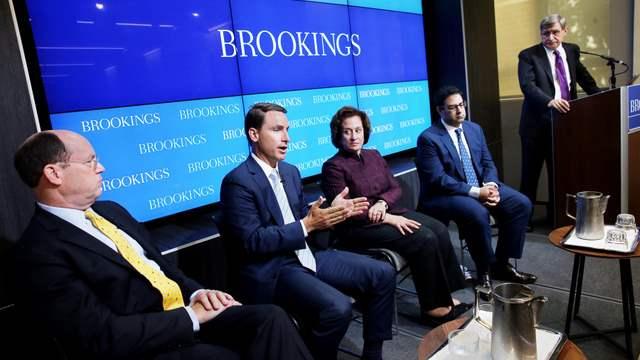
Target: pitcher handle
[[536, 304], [566, 205], [476, 307]]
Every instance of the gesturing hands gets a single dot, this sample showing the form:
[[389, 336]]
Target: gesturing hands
[[208, 304], [353, 206], [318, 218]]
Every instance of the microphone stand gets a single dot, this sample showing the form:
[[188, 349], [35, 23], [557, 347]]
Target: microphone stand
[[612, 79], [611, 62]]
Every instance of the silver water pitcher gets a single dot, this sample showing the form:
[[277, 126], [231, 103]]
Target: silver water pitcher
[[513, 322], [590, 208]]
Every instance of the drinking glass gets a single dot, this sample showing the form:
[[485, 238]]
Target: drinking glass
[[616, 236], [463, 343], [626, 221]]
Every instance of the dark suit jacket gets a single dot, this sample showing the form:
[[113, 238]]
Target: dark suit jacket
[[89, 297], [536, 82], [439, 166], [253, 221]]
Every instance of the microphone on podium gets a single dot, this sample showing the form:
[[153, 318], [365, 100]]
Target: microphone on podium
[[608, 58], [611, 62]]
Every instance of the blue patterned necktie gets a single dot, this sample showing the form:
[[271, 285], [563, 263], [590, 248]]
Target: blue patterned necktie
[[470, 174], [561, 76]]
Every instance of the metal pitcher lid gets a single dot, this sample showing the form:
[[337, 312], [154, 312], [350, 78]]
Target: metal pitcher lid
[[590, 194], [513, 293]]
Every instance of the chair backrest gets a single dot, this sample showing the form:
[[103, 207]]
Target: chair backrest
[[20, 335], [233, 253], [410, 185]]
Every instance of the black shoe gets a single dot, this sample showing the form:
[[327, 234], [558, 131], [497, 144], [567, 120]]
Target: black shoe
[[435, 321], [483, 280], [508, 273]]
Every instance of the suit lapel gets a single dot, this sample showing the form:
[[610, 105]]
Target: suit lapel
[[265, 189], [453, 153], [474, 148], [541, 57], [571, 62], [126, 226], [290, 189], [69, 233]]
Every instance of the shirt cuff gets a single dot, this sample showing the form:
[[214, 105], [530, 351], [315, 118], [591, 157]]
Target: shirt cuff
[[194, 318], [474, 192], [304, 229], [492, 184], [194, 295]]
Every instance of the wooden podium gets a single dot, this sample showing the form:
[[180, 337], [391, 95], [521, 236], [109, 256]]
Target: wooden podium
[[593, 150]]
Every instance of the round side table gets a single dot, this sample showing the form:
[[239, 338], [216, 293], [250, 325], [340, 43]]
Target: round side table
[[556, 237]]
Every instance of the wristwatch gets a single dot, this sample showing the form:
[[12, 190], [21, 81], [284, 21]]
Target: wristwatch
[[386, 206]]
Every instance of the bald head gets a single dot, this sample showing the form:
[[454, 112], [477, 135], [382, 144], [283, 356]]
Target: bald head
[[62, 168]]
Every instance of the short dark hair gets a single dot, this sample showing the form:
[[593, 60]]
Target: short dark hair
[[255, 116], [444, 92], [550, 20], [38, 151], [342, 114]]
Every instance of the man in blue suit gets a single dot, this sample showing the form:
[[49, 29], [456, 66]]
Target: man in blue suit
[[273, 230], [459, 182]]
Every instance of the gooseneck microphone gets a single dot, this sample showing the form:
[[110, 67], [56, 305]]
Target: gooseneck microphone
[[608, 58], [611, 62]]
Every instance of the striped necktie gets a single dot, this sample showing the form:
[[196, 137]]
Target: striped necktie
[[467, 165], [171, 294], [305, 256]]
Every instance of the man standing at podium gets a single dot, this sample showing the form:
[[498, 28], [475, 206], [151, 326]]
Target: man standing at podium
[[548, 73]]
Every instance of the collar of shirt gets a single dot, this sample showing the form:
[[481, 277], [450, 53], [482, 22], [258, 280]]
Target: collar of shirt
[[560, 49], [74, 216], [454, 137], [266, 168]]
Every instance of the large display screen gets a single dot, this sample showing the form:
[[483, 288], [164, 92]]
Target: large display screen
[[160, 88]]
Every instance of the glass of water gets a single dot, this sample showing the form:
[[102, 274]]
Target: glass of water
[[463, 343]]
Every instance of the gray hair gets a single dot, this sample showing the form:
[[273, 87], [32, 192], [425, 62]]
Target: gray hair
[[549, 20]]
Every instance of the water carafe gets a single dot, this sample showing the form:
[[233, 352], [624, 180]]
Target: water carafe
[[513, 322], [590, 208]]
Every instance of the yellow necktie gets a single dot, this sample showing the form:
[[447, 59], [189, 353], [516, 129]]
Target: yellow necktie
[[171, 294]]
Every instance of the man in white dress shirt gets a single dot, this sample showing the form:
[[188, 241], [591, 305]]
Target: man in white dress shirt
[[549, 73]]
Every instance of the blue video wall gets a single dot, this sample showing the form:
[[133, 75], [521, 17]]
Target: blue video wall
[[160, 88]]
